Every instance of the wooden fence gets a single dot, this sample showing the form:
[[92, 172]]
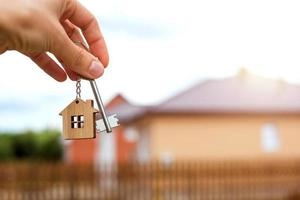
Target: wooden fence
[[235, 180]]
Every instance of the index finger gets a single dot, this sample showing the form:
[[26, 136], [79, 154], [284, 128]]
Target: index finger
[[88, 24]]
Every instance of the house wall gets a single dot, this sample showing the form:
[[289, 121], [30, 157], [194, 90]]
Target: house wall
[[125, 145], [220, 136], [105, 148], [81, 151]]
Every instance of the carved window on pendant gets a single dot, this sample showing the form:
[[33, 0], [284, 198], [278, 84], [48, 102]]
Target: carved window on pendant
[[77, 121]]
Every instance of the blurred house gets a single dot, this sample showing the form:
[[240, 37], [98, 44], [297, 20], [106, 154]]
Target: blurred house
[[243, 117]]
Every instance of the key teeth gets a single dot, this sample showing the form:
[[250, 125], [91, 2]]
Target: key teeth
[[113, 121]]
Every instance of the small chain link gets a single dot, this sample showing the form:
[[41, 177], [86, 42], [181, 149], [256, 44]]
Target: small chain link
[[78, 89]]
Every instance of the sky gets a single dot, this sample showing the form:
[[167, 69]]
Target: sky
[[159, 48]]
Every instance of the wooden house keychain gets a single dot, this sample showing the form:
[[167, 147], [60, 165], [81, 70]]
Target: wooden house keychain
[[79, 117]]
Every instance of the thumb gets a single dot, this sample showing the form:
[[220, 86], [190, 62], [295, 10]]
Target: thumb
[[78, 59]]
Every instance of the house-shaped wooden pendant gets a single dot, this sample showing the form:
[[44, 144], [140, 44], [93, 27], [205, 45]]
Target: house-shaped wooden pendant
[[79, 120]]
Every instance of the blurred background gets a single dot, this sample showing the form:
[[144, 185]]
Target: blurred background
[[208, 97]]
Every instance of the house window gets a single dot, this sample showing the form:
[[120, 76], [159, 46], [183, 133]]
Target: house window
[[270, 140], [131, 134], [77, 121]]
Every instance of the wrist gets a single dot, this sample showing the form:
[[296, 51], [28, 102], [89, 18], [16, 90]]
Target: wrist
[[3, 36], [4, 27], [13, 16]]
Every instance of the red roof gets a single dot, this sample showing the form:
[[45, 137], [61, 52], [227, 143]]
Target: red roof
[[241, 94]]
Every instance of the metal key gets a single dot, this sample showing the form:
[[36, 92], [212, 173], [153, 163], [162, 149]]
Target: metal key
[[100, 105], [106, 123], [113, 122]]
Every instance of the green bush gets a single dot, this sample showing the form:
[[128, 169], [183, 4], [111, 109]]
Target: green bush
[[25, 145], [49, 146], [6, 147], [44, 145]]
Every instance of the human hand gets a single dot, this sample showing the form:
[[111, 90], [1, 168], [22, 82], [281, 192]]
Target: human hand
[[34, 27]]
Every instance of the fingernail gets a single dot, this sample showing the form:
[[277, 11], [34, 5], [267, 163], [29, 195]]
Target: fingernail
[[96, 69]]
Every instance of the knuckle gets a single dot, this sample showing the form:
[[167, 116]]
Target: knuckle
[[26, 16], [36, 57], [92, 22], [47, 63], [69, 8], [99, 38]]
